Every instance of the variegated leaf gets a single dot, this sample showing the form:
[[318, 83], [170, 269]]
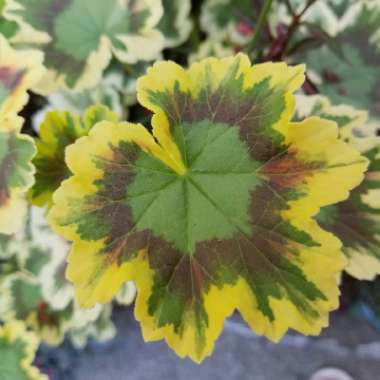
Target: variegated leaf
[[16, 175], [79, 37], [19, 70], [34, 290], [17, 351], [352, 76], [58, 130], [356, 220], [213, 213], [175, 24]]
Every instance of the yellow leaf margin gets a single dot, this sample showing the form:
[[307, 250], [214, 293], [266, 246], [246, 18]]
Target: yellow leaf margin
[[315, 139]]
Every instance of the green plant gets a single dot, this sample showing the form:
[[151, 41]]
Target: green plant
[[205, 181]]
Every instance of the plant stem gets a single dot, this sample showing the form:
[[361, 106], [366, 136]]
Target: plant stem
[[260, 23], [280, 46], [309, 87], [307, 6], [297, 19], [290, 8]]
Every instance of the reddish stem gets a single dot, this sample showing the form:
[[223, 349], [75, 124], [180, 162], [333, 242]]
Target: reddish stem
[[280, 44]]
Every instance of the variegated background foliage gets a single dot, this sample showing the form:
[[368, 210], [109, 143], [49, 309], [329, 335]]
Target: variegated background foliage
[[229, 20], [348, 71], [206, 184], [17, 350], [79, 37], [19, 70], [356, 220], [33, 286]]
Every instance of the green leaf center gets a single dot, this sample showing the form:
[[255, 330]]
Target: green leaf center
[[210, 201]]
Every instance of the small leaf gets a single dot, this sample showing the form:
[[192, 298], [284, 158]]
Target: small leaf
[[213, 213], [79, 37], [59, 130], [17, 351]]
